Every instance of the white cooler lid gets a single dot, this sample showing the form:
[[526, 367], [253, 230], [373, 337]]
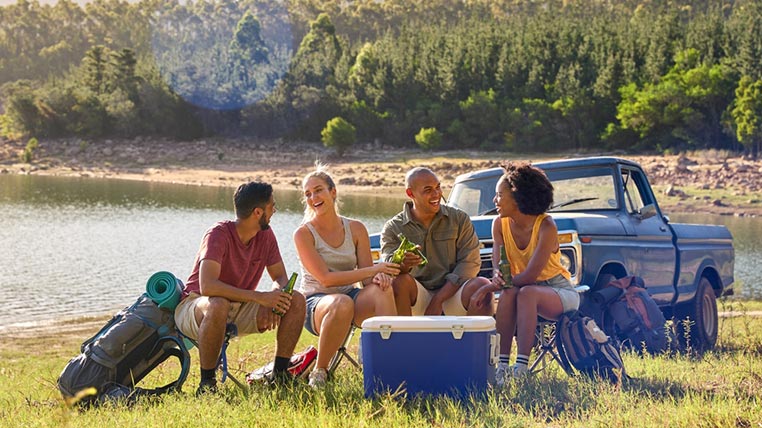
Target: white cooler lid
[[429, 323]]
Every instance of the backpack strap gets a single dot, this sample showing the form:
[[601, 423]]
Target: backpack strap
[[177, 350], [562, 326]]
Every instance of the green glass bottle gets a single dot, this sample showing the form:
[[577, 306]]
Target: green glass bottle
[[505, 268], [289, 288], [406, 246]]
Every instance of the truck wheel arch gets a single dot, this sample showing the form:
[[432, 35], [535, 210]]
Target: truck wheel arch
[[608, 273]]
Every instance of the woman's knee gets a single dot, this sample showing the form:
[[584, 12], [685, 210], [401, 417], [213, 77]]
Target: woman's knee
[[341, 306]]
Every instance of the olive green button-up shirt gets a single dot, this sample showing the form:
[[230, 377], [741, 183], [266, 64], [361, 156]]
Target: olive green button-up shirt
[[450, 245]]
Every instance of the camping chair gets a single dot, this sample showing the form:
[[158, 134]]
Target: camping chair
[[343, 353], [231, 331], [545, 335]]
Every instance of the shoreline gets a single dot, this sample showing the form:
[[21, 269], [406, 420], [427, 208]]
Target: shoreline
[[82, 327], [702, 182]]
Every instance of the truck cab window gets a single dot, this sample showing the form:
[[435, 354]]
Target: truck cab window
[[633, 197]]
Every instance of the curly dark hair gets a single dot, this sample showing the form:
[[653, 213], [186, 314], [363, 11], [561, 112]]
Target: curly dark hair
[[531, 189]]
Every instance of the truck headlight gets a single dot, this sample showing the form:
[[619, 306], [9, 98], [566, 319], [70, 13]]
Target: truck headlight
[[566, 262]]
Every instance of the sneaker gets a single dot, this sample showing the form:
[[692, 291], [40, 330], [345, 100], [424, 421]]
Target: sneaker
[[318, 378], [206, 387], [519, 370], [502, 374]]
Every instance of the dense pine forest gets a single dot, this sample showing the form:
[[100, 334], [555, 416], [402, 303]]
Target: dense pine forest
[[529, 75]]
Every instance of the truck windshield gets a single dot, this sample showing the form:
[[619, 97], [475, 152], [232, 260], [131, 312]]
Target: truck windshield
[[574, 190]]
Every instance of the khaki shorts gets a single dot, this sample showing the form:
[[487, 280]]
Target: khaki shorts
[[451, 306], [242, 314]]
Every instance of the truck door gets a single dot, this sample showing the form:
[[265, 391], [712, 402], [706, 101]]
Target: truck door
[[651, 253]]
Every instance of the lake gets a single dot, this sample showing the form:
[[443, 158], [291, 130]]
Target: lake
[[74, 247]]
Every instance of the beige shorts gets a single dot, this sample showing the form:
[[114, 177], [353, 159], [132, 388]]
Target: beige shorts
[[242, 314], [451, 306]]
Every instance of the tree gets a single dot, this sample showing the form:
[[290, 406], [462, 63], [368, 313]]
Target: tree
[[428, 138], [339, 134], [683, 108], [747, 114]]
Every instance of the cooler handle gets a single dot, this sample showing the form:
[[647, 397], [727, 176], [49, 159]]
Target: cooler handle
[[494, 349]]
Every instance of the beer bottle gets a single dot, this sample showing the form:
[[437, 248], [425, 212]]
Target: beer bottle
[[289, 288], [505, 268], [407, 246]]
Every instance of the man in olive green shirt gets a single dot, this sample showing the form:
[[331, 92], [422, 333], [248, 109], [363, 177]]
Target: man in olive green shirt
[[446, 237]]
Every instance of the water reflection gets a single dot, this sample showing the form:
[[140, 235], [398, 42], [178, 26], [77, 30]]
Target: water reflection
[[84, 246]]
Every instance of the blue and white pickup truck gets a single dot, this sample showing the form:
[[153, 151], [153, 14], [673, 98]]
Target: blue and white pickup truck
[[609, 226]]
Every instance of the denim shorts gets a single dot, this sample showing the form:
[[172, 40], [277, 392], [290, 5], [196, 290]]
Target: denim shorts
[[565, 290], [312, 302]]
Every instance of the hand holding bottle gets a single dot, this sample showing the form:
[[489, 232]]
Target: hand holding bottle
[[289, 289], [407, 247]]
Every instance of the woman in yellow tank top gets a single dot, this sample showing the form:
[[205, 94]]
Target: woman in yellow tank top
[[540, 283]]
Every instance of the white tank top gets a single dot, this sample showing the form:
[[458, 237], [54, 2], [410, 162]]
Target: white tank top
[[338, 259]]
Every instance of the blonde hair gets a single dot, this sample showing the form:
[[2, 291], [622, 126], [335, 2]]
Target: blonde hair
[[320, 172]]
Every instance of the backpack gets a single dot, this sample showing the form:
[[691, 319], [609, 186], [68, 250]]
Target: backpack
[[134, 342], [583, 347], [638, 319]]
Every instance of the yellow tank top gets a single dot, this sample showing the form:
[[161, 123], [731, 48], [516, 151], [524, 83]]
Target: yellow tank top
[[520, 258]]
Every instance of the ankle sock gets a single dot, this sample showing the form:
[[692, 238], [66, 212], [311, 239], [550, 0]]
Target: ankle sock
[[522, 360], [281, 364], [207, 374], [504, 358]]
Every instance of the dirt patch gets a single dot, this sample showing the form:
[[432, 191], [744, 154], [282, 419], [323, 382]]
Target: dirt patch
[[707, 182]]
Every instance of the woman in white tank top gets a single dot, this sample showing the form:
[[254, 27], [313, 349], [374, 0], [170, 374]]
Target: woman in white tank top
[[341, 283]]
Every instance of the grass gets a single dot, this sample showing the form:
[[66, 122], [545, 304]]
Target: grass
[[719, 389]]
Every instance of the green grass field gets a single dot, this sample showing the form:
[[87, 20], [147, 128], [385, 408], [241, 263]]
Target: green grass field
[[722, 388]]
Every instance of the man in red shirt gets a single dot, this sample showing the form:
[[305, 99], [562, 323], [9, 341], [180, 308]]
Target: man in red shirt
[[223, 286]]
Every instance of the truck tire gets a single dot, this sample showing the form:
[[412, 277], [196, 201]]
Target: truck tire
[[702, 312]]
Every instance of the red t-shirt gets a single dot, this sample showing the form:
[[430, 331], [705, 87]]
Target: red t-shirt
[[241, 265]]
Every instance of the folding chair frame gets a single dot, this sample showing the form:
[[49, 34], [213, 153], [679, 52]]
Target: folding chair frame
[[231, 331], [343, 353], [546, 339]]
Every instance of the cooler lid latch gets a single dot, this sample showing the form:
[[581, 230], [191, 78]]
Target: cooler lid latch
[[457, 331], [385, 330]]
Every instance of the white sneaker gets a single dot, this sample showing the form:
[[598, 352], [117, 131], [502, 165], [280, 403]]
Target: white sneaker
[[318, 378], [519, 370], [503, 374]]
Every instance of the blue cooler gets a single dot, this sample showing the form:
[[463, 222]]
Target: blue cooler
[[447, 355]]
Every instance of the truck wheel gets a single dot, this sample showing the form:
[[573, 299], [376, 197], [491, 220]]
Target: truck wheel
[[702, 312]]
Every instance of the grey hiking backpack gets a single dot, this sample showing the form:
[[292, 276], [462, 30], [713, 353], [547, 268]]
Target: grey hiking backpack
[[639, 322], [584, 348], [134, 342]]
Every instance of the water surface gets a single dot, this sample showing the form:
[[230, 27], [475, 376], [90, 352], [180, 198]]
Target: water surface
[[72, 247]]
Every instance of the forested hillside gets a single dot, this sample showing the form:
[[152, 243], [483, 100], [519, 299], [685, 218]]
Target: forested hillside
[[527, 75]]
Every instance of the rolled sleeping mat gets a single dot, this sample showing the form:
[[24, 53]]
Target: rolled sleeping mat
[[605, 296], [164, 289]]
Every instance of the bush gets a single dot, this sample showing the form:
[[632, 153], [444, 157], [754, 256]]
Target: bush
[[28, 154], [338, 134], [428, 138]]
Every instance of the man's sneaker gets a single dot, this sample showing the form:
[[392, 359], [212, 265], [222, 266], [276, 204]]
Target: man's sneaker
[[503, 374], [206, 387], [318, 378], [519, 370]]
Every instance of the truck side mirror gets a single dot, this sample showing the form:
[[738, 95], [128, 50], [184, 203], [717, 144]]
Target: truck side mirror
[[647, 212]]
